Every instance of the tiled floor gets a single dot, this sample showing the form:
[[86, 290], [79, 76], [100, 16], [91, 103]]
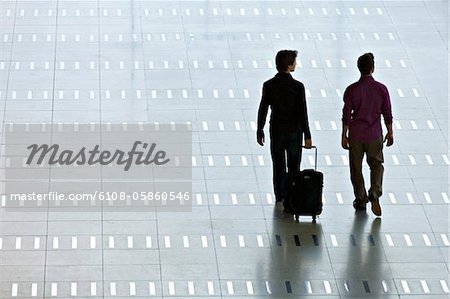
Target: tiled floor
[[204, 62]]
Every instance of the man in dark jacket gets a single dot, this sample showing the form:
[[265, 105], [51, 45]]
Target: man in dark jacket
[[288, 121]]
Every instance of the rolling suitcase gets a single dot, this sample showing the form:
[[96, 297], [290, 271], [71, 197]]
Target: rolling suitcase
[[305, 192]]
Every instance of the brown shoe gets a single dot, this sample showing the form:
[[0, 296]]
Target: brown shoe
[[376, 208]]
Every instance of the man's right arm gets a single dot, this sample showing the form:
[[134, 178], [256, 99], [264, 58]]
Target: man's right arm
[[387, 115], [262, 115]]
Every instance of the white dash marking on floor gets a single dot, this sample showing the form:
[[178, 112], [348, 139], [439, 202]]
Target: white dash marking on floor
[[416, 93], [234, 199], [400, 93], [445, 240], [18, 242], [14, 289], [55, 243], [392, 198], [237, 125], [191, 288], [426, 239], [167, 241], [345, 160], [210, 288], [34, 290], [186, 242], [54, 290], [339, 198], [171, 288], [389, 240], [327, 286], [223, 241], [244, 161], [402, 63], [398, 124], [445, 197], [130, 241], [334, 241], [210, 161], [74, 242], [308, 287], [333, 125], [308, 93], [246, 94], [216, 199], [152, 288], [412, 160], [261, 160], [251, 198], [410, 197], [317, 124], [413, 124], [405, 287], [425, 287], [250, 289], [376, 35], [269, 198], [391, 36], [241, 241], [132, 289], [427, 197], [446, 159], [199, 199], [429, 160], [204, 241], [113, 289], [227, 161], [408, 240], [37, 242], [148, 242], [73, 289], [260, 241], [216, 93], [328, 160], [230, 288], [444, 286], [111, 242]]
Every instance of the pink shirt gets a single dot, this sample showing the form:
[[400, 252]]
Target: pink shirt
[[364, 103]]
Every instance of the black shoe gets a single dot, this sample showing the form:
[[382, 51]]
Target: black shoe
[[279, 199], [358, 206]]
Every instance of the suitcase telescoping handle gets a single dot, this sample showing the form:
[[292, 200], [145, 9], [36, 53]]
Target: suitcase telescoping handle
[[315, 155]]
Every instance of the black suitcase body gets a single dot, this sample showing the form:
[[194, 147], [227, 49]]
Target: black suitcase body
[[305, 192]]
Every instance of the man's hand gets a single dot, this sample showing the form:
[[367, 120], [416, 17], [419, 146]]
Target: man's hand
[[344, 142], [389, 138], [308, 143], [260, 137]]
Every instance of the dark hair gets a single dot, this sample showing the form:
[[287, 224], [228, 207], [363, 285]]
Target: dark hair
[[366, 63], [285, 58]]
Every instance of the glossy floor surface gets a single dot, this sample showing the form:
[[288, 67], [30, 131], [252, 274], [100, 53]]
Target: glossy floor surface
[[203, 63]]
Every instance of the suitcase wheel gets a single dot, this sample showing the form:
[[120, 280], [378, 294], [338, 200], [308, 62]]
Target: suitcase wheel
[[314, 218], [296, 217]]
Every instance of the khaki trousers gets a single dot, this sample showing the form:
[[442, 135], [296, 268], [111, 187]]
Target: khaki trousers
[[374, 157]]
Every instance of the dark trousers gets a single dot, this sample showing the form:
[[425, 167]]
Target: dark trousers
[[286, 150], [374, 156]]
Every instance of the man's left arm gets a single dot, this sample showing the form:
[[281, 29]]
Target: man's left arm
[[262, 115], [305, 127]]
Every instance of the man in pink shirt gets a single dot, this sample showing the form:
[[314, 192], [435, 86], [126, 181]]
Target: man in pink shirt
[[364, 103]]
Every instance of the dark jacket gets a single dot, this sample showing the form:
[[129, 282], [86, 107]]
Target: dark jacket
[[286, 98]]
